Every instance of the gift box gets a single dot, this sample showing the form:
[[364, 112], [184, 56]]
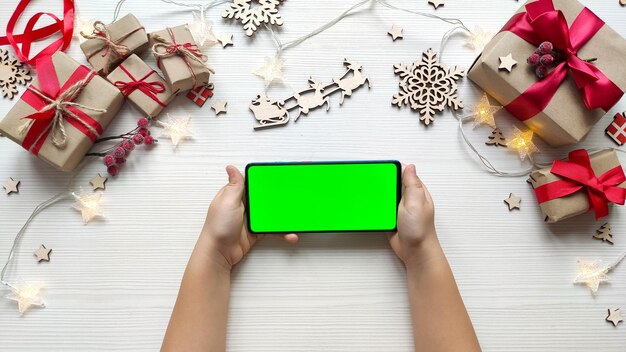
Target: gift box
[[582, 183], [563, 106], [62, 112], [109, 45], [141, 85], [179, 58]]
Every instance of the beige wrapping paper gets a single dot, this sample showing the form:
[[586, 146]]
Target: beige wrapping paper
[[577, 203], [137, 42], [174, 68], [565, 120], [138, 68], [98, 94]]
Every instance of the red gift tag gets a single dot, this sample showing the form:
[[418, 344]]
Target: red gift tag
[[617, 129], [200, 94]]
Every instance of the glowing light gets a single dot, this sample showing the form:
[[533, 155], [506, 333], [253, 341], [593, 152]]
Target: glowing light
[[26, 295], [83, 25], [202, 30], [478, 39], [89, 205], [592, 274], [522, 142], [176, 128], [484, 112], [271, 70]]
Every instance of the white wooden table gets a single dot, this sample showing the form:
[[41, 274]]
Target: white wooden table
[[111, 285]]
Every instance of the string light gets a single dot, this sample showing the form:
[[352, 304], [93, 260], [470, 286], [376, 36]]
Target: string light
[[522, 142], [591, 274], [89, 205], [84, 26], [202, 30], [26, 294], [272, 70], [478, 38], [484, 112], [176, 128]]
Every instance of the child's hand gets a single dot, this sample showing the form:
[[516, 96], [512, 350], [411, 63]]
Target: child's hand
[[224, 229], [416, 217]]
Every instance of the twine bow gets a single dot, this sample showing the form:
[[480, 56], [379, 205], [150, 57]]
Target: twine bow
[[56, 111], [112, 48], [577, 174]]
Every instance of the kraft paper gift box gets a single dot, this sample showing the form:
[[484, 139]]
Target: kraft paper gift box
[[179, 58], [86, 104], [111, 44], [561, 198], [142, 85], [565, 119]]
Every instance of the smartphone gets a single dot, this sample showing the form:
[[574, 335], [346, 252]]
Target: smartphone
[[346, 196]]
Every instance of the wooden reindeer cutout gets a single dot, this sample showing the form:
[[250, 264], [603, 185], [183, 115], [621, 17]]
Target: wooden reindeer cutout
[[348, 84], [269, 112], [308, 102]]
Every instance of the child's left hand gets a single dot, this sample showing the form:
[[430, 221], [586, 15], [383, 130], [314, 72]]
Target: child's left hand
[[224, 230]]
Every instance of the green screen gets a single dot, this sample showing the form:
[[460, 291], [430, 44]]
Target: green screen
[[322, 197]]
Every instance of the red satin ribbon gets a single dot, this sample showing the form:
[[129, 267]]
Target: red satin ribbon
[[50, 87], [541, 22], [30, 35], [148, 88], [577, 174]]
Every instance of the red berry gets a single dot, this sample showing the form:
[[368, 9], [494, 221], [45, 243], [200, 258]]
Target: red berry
[[120, 161], [108, 160], [541, 71], [128, 146], [113, 170], [533, 59], [148, 140], [119, 152], [546, 47], [144, 132], [143, 122], [138, 139], [546, 60]]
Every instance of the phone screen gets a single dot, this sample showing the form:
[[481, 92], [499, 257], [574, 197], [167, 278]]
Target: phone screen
[[322, 196]]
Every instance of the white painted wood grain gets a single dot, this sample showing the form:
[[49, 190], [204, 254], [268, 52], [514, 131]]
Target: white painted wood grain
[[111, 284]]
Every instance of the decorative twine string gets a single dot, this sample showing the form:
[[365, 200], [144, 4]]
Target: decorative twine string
[[111, 48], [66, 193]]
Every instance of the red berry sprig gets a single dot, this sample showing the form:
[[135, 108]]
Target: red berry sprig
[[543, 59]]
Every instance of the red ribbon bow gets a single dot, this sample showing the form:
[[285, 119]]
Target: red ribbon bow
[[148, 88], [577, 174], [177, 49], [42, 119], [541, 22]]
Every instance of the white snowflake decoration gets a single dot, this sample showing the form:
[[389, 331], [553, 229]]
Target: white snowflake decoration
[[266, 12], [428, 86], [12, 73]]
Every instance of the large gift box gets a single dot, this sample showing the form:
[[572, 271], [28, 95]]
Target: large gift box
[[582, 183], [141, 85], [563, 106], [179, 58], [63, 111], [108, 45]]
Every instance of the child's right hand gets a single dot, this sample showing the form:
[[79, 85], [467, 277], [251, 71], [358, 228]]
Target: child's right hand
[[416, 218]]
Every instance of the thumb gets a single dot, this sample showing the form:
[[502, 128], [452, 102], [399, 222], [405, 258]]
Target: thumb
[[413, 187], [236, 181]]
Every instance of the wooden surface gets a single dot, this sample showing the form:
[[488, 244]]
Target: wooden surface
[[111, 284]]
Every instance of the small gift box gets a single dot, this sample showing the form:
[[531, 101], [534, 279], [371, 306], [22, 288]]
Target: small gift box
[[574, 94], [582, 183], [141, 85], [108, 45], [179, 58], [63, 111]]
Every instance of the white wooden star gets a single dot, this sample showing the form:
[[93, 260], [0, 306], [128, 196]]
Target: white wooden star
[[98, 182], [225, 39], [43, 253], [436, 3], [507, 62], [26, 295], [89, 205], [176, 128], [513, 201], [396, 32], [11, 186], [615, 316], [219, 106], [271, 71]]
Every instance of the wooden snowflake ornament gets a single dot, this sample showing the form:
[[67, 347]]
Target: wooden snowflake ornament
[[12, 73], [252, 17], [428, 86]]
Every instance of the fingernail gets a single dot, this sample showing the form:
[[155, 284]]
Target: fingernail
[[230, 172]]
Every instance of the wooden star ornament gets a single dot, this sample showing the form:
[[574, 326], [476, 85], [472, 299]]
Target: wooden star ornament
[[43, 253], [98, 182], [11, 186], [219, 106], [396, 32], [507, 62], [225, 39], [615, 316], [436, 3], [513, 201]]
